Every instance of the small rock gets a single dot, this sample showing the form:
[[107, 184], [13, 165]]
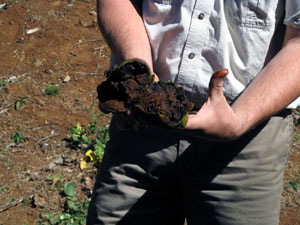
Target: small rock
[[11, 78], [3, 6], [69, 159], [38, 63], [38, 201], [34, 176], [68, 170], [49, 71], [88, 182], [56, 162], [87, 23], [43, 145], [93, 13], [67, 79], [31, 31]]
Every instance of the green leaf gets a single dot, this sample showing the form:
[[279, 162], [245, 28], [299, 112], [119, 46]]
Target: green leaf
[[99, 151], [69, 189], [17, 105], [82, 221], [75, 138], [18, 137], [293, 184], [185, 120], [3, 83], [73, 206], [85, 139], [151, 78]]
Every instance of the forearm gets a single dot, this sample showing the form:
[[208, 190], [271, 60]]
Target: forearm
[[123, 29], [273, 89]]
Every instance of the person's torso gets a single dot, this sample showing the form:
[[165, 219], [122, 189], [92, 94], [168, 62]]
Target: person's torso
[[192, 39]]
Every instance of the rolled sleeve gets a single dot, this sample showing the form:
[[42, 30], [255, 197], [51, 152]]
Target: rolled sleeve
[[292, 16]]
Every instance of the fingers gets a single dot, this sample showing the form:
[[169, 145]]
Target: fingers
[[216, 83], [156, 79]]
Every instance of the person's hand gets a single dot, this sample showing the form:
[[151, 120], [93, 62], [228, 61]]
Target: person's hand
[[216, 117], [155, 77]]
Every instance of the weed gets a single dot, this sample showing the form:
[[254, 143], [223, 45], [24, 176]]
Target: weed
[[69, 189], [94, 137], [18, 137], [52, 89], [3, 83], [76, 98], [20, 102], [293, 184], [56, 182], [51, 178], [80, 135], [5, 188], [75, 211]]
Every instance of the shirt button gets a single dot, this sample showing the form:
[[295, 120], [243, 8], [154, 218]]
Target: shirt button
[[201, 16], [191, 55]]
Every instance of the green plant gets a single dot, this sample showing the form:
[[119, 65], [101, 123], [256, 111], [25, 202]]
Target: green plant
[[94, 137], [293, 184], [56, 182], [52, 89], [69, 189], [51, 178], [80, 135], [18, 137], [20, 102], [75, 211], [3, 83], [5, 188]]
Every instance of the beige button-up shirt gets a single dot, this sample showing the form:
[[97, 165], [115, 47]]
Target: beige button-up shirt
[[191, 39]]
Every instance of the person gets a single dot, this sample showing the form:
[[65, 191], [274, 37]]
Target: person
[[227, 165]]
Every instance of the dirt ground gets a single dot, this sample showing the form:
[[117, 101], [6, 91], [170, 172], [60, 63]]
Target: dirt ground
[[58, 42]]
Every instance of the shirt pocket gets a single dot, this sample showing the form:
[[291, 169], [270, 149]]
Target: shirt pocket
[[168, 2], [251, 13]]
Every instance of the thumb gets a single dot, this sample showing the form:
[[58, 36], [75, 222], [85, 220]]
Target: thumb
[[216, 83]]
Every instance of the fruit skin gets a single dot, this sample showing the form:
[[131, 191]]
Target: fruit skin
[[130, 89]]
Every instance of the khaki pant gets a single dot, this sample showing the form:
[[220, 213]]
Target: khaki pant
[[160, 177]]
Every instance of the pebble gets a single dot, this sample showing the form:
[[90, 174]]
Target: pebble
[[56, 162], [38, 201], [67, 79], [38, 63]]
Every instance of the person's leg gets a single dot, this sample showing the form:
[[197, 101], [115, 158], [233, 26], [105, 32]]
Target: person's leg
[[238, 182], [137, 181]]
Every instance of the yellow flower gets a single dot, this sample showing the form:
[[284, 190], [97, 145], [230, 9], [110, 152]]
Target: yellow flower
[[91, 155], [83, 164], [78, 126]]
